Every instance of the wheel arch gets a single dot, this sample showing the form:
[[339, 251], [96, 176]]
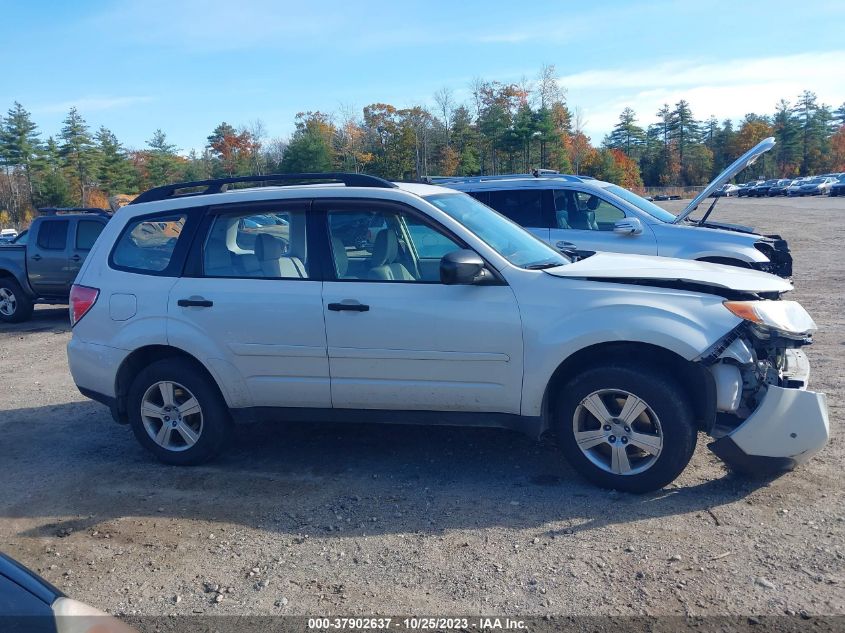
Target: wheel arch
[[143, 357], [692, 376]]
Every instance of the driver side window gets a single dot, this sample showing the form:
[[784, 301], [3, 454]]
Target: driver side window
[[386, 245], [584, 211]]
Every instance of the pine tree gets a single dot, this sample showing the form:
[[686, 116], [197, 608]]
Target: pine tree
[[685, 132], [115, 173], [77, 151], [50, 184], [19, 145], [161, 161], [787, 151], [627, 135]]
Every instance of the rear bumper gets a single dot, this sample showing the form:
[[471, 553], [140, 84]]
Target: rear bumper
[[94, 367], [787, 429]]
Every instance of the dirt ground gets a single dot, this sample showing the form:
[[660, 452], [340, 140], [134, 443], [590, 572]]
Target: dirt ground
[[321, 519]]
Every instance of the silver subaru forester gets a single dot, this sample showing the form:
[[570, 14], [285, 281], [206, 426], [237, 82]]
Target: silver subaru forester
[[579, 214]]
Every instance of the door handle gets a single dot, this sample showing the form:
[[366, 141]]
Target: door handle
[[564, 245], [76, 258], [36, 258], [351, 307], [198, 302]]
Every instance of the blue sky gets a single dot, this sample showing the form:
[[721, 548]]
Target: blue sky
[[185, 66]]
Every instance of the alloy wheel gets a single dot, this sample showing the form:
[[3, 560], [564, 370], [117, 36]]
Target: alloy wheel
[[8, 303], [172, 416], [618, 431]]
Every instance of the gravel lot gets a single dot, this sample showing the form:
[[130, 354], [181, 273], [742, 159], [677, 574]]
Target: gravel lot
[[320, 519]]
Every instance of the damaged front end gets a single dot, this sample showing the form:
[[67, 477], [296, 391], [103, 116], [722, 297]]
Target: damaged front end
[[776, 250], [766, 420]]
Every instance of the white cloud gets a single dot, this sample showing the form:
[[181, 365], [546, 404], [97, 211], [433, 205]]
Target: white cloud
[[728, 89]]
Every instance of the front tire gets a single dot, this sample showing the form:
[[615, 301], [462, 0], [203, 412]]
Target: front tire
[[15, 305], [626, 427], [177, 413]]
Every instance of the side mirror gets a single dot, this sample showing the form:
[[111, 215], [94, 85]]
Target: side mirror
[[461, 267], [628, 226]]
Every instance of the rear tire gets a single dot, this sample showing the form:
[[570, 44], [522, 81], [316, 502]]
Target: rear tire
[[185, 420], [15, 305], [664, 427]]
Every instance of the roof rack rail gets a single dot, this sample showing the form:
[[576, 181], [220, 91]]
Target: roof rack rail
[[540, 174], [218, 185], [72, 210]]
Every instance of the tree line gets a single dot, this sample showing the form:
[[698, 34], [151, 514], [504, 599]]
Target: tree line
[[502, 128]]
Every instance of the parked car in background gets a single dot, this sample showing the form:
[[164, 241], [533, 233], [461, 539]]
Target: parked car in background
[[581, 216], [838, 188], [30, 604], [7, 235], [761, 190], [779, 189], [747, 187], [818, 186], [727, 190], [41, 264], [453, 315], [764, 190]]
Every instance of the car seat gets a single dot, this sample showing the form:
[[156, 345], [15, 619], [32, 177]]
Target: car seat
[[383, 263], [269, 252]]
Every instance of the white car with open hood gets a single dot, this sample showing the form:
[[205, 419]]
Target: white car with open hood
[[577, 215], [375, 301]]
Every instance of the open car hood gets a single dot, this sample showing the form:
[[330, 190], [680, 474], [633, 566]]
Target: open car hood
[[647, 268], [746, 160]]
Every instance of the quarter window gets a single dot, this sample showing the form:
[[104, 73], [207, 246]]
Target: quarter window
[[52, 235], [147, 245], [267, 245]]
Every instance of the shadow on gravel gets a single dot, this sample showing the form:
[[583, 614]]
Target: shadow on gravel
[[44, 319], [325, 480]]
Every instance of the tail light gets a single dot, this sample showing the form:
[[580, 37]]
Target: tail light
[[82, 298]]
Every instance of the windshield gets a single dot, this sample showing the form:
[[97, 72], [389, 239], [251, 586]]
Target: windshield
[[815, 181], [641, 203], [510, 240]]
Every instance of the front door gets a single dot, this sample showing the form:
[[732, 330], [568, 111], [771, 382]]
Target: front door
[[398, 338], [584, 222], [47, 258], [255, 296]]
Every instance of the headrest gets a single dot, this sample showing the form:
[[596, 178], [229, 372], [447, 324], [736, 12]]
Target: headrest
[[341, 258], [593, 203], [267, 247], [385, 248]]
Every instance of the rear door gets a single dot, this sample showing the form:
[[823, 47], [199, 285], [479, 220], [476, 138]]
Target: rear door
[[85, 234], [251, 302], [530, 208], [47, 258]]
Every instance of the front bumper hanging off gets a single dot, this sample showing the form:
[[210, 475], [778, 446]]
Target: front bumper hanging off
[[787, 429]]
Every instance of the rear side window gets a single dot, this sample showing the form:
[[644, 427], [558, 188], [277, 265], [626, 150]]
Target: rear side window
[[52, 235], [268, 245], [523, 206], [87, 232], [147, 244]]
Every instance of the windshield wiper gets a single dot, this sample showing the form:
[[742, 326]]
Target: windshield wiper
[[543, 265]]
